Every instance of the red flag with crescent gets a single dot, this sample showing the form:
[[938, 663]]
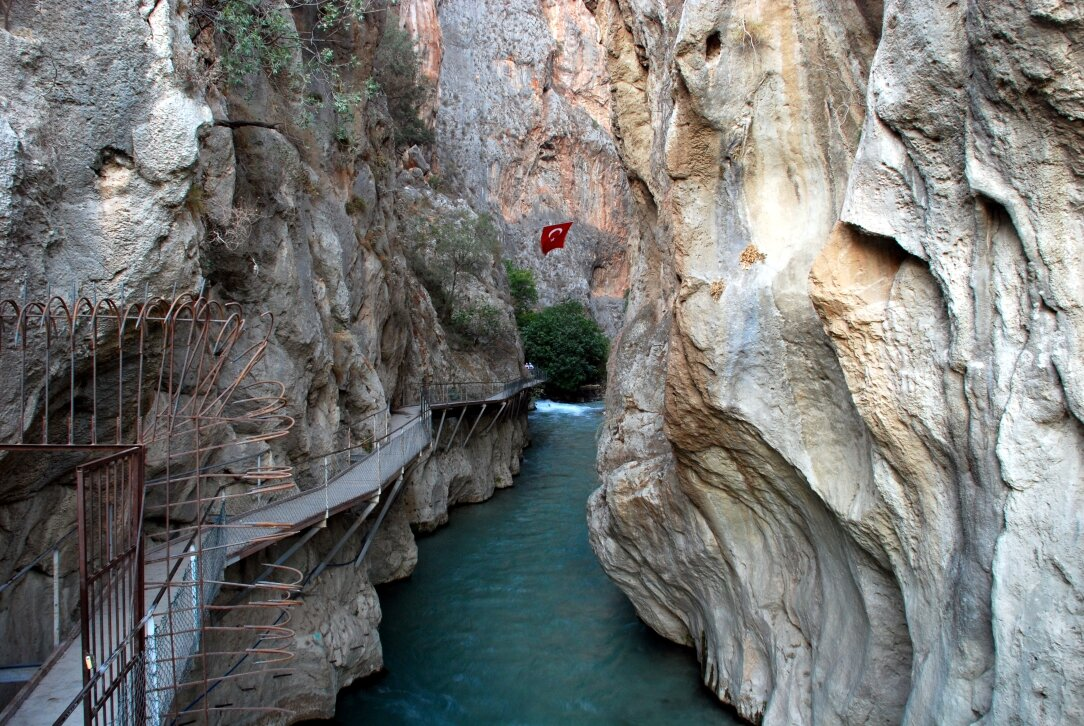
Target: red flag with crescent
[[553, 236]]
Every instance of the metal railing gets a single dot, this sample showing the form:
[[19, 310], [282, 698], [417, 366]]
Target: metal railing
[[90, 375], [326, 467], [445, 394], [109, 507], [358, 471], [352, 474], [172, 631]]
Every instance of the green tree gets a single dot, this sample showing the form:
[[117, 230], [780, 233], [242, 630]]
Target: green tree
[[462, 246], [395, 70], [568, 345], [524, 293]]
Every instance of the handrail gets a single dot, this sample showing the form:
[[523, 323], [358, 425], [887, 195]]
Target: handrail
[[439, 394], [334, 469], [33, 563], [368, 442]]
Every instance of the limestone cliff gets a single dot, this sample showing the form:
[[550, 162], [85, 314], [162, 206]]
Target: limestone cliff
[[858, 494], [131, 164], [523, 129]]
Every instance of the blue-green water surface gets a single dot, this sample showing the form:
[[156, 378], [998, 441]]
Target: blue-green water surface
[[509, 619]]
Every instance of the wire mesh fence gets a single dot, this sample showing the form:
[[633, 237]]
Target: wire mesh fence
[[122, 680], [174, 630]]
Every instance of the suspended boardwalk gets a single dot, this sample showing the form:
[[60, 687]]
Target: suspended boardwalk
[[362, 480], [353, 476]]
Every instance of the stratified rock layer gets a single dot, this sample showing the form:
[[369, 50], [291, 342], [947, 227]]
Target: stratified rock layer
[[858, 494]]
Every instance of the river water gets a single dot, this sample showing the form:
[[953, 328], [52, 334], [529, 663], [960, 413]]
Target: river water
[[509, 619]]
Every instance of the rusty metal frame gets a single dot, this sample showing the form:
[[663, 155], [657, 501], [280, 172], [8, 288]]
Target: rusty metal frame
[[172, 379], [109, 496]]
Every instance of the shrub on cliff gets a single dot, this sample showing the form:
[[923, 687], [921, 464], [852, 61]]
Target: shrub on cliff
[[524, 292], [565, 342], [312, 46], [444, 253], [395, 69], [480, 324], [463, 246], [298, 45]]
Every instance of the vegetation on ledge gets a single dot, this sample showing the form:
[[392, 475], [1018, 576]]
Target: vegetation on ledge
[[566, 343]]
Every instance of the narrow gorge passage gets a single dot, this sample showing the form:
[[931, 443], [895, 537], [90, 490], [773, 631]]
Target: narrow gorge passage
[[509, 618]]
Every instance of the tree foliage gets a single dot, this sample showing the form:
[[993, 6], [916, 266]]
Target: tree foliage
[[524, 292], [395, 70], [565, 342], [463, 246]]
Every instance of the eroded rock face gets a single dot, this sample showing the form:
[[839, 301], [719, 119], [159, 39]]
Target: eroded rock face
[[450, 475], [128, 163], [523, 129], [858, 497]]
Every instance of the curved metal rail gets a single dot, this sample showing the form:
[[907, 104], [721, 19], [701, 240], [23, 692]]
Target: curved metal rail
[[171, 376]]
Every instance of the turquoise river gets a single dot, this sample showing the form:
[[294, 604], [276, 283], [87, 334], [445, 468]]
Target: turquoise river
[[509, 619]]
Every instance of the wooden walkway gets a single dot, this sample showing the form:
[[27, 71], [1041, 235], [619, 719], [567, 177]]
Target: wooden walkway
[[360, 476]]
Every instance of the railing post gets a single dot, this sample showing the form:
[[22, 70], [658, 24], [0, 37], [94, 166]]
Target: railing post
[[197, 595], [87, 664], [137, 473], [327, 502], [152, 690], [56, 597]]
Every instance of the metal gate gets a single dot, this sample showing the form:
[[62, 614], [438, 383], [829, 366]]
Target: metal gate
[[180, 377], [111, 586]]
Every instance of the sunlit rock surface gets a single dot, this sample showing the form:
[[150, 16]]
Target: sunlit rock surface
[[842, 454], [523, 129], [859, 276]]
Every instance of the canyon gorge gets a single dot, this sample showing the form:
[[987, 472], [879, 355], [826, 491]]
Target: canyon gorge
[[836, 246]]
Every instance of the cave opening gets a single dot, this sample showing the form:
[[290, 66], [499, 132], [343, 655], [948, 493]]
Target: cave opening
[[713, 45]]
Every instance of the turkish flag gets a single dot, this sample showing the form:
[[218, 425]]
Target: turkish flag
[[554, 236]]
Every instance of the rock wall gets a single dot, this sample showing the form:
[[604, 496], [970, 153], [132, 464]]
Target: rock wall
[[130, 165], [523, 130], [847, 232], [858, 493]]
